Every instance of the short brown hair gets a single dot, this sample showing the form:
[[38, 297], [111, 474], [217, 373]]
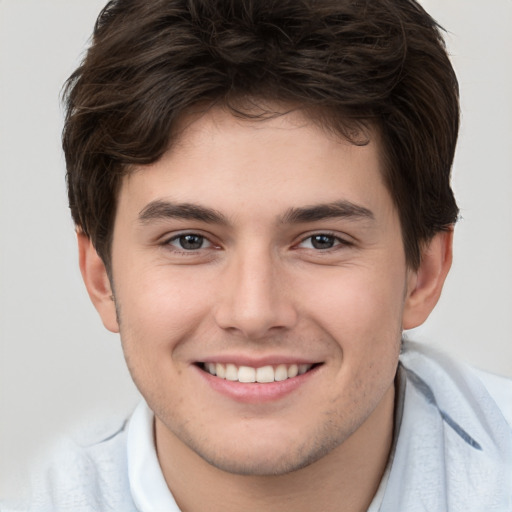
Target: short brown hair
[[354, 62]]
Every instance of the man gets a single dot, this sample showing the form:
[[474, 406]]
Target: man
[[262, 201]]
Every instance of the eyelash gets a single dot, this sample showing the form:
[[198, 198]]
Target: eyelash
[[182, 250], [336, 241]]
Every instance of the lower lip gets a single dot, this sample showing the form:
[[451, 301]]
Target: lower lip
[[255, 392]]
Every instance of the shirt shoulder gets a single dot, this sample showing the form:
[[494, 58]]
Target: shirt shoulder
[[85, 472], [500, 389], [454, 450], [477, 398]]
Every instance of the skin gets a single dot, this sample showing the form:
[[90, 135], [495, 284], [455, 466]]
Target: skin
[[257, 288]]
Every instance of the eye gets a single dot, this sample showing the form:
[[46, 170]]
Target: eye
[[321, 241], [189, 242]]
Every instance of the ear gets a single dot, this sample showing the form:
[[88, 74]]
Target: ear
[[97, 282], [425, 284]]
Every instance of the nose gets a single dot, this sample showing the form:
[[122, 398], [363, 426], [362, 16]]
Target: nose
[[256, 297]]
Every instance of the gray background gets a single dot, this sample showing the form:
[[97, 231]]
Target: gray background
[[58, 366]]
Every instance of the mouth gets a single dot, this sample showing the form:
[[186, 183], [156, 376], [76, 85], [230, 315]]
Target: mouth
[[263, 374]]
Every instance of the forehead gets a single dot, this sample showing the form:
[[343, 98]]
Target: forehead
[[279, 162]]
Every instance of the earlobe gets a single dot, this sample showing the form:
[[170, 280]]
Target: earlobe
[[425, 284], [97, 282]]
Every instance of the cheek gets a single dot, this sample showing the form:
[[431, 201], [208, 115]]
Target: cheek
[[157, 317], [361, 310], [159, 309]]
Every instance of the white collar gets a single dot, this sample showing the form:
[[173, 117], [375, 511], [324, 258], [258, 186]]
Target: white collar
[[149, 489]]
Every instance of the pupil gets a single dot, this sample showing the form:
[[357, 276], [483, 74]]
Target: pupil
[[191, 242], [322, 241]]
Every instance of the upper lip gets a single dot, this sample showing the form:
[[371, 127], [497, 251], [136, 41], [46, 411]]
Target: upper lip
[[257, 362]]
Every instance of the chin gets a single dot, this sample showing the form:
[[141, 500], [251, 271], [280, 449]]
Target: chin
[[268, 459], [260, 466]]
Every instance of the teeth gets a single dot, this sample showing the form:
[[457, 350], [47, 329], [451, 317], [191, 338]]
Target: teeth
[[220, 371], [303, 368], [231, 372], [281, 373], [246, 374], [293, 371], [263, 374]]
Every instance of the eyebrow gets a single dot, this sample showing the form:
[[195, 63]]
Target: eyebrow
[[337, 209], [161, 210]]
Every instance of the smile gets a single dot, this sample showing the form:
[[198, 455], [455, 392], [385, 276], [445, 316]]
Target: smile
[[248, 374]]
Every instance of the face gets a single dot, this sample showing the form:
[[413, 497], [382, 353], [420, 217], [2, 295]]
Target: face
[[260, 251]]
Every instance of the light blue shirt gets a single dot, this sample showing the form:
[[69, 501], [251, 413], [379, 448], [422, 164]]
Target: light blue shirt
[[452, 452]]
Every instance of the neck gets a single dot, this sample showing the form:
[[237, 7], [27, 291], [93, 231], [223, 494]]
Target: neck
[[344, 480]]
